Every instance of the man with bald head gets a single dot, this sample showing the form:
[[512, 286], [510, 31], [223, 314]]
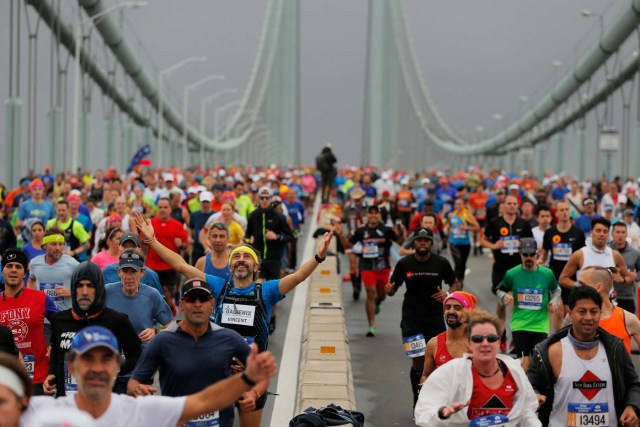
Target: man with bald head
[[613, 319]]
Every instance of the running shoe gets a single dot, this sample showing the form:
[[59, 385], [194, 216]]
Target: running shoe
[[372, 331]]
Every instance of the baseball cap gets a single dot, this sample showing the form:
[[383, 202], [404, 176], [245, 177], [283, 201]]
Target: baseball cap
[[423, 233], [608, 207], [92, 337], [628, 212], [588, 201], [167, 177], [195, 285], [514, 187], [130, 237], [131, 260], [265, 190], [425, 181], [206, 196], [528, 246]]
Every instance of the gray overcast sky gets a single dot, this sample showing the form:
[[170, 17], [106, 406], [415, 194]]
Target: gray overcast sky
[[477, 58]]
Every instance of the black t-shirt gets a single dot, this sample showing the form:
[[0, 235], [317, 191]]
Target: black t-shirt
[[509, 255], [560, 246], [376, 245], [422, 280], [64, 327]]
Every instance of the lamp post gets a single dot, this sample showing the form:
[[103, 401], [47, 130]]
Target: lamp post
[[76, 100], [165, 73], [203, 107], [185, 108]]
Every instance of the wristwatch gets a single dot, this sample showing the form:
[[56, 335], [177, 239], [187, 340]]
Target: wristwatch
[[320, 260]]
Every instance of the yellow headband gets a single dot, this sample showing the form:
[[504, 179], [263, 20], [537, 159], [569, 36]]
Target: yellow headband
[[53, 238], [245, 249]]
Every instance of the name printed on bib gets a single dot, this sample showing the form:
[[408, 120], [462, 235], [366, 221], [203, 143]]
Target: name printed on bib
[[212, 419], [238, 314], [415, 345], [511, 245], [530, 299], [497, 420], [587, 414]]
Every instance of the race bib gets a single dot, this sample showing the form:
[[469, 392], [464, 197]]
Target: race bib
[[70, 383], [587, 414], [50, 289], [370, 250], [211, 419], [511, 245], [497, 420], [415, 345], [29, 361], [561, 251], [480, 213], [238, 314], [458, 233], [530, 299]]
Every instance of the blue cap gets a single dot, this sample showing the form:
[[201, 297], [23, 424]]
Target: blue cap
[[92, 337]]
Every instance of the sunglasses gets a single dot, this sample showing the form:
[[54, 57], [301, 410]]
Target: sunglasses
[[131, 256], [478, 339], [527, 254], [200, 296], [264, 197]]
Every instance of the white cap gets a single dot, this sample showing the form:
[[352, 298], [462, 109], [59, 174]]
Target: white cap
[[271, 178], [385, 175], [426, 181], [201, 188], [75, 192], [206, 196], [622, 198], [167, 177], [222, 172], [404, 181], [265, 190], [514, 187], [192, 190]]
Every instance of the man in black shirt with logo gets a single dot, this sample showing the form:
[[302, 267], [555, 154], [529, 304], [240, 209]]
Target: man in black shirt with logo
[[502, 235], [422, 312]]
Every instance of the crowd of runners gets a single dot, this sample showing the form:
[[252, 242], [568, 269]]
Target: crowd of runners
[[109, 278]]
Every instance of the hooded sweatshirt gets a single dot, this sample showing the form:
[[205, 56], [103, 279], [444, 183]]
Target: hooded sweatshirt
[[65, 325]]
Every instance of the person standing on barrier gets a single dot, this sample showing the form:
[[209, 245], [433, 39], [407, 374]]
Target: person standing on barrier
[[376, 240], [422, 306]]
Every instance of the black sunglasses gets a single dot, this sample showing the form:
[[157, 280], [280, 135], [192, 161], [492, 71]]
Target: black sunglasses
[[528, 254], [197, 296], [478, 339], [264, 197]]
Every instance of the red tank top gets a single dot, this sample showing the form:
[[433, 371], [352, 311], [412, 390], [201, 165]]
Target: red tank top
[[615, 326], [442, 355], [25, 315], [485, 401]]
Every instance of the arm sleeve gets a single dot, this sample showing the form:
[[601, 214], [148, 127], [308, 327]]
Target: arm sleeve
[[148, 362], [50, 307], [546, 241], [161, 311], [397, 277], [130, 344]]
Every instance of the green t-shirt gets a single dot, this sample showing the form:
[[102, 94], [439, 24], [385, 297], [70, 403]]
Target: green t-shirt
[[530, 291]]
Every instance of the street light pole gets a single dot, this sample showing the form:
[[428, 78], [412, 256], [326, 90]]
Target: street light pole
[[185, 107], [166, 72], [76, 99]]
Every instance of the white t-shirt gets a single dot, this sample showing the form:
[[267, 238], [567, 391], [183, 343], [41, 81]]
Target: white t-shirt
[[125, 411]]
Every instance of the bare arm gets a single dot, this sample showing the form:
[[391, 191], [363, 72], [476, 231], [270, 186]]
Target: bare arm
[[622, 269], [224, 393], [569, 270], [543, 256], [201, 263], [429, 361], [173, 259], [289, 282], [31, 284], [633, 326]]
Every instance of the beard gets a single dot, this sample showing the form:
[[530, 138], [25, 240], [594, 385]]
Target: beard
[[453, 322], [422, 251]]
